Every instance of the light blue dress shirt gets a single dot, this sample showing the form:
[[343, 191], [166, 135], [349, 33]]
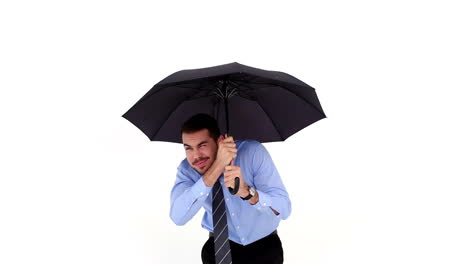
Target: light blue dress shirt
[[247, 223]]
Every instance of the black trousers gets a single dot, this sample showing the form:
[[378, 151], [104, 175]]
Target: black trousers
[[267, 250]]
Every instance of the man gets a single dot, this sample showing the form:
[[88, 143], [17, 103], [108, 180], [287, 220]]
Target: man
[[253, 213]]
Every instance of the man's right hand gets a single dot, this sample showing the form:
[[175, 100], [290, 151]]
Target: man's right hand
[[227, 151]]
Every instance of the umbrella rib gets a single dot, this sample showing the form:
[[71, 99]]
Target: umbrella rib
[[283, 74], [238, 86], [233, 91], [173, 111], [243, 91], [271, 120], [278, 85], [218, 92], [168, 116], [144, 98]]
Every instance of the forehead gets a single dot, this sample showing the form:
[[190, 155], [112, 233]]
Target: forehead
[[196, 137]]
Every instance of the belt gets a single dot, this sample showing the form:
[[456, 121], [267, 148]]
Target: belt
[[211, 234]]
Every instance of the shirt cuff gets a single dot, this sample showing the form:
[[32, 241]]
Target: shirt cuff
[[200, 191], [264, 199], [264, 203]]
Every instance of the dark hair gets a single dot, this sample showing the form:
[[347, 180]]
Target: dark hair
[[201, 121]]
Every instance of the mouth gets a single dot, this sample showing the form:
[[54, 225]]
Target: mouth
[[201, 163]]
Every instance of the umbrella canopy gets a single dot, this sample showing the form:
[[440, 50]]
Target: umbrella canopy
[[247, 102]]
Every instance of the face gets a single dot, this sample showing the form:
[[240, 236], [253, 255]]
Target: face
[[200, 149]]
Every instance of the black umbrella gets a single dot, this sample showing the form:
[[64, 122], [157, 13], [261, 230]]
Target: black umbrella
[[247, 102]]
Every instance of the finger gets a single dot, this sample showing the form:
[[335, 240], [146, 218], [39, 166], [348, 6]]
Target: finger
[[228, 148], [230, 151], [231, 167], [230, 145], [231, 175], [228, 183], [228, 139]]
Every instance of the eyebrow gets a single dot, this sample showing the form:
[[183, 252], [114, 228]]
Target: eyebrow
[[203, 142]]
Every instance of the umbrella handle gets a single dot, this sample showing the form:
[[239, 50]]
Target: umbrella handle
[[236, 186], [234, 190]]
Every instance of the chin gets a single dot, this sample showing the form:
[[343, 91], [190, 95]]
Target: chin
[[205, 169]]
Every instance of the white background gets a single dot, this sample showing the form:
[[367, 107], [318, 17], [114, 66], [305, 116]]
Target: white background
[[383, 179]]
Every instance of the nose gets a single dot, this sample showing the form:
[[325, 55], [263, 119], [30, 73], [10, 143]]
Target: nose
[[196, 154]]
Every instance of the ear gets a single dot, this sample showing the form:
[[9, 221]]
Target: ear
[[220, 138]]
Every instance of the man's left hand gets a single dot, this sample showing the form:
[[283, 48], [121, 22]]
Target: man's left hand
[[230, 173]]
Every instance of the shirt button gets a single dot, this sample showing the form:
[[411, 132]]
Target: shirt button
[[201, 193], [237, 227], [207, 194], [227, 199], [243, 239], [232, 214], [264, 204]]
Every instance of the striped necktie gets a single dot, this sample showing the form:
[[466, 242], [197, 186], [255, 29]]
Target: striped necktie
[[221, 234]]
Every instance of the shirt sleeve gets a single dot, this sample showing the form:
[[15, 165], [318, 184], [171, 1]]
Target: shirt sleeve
[[267, 181], [187, 196]]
